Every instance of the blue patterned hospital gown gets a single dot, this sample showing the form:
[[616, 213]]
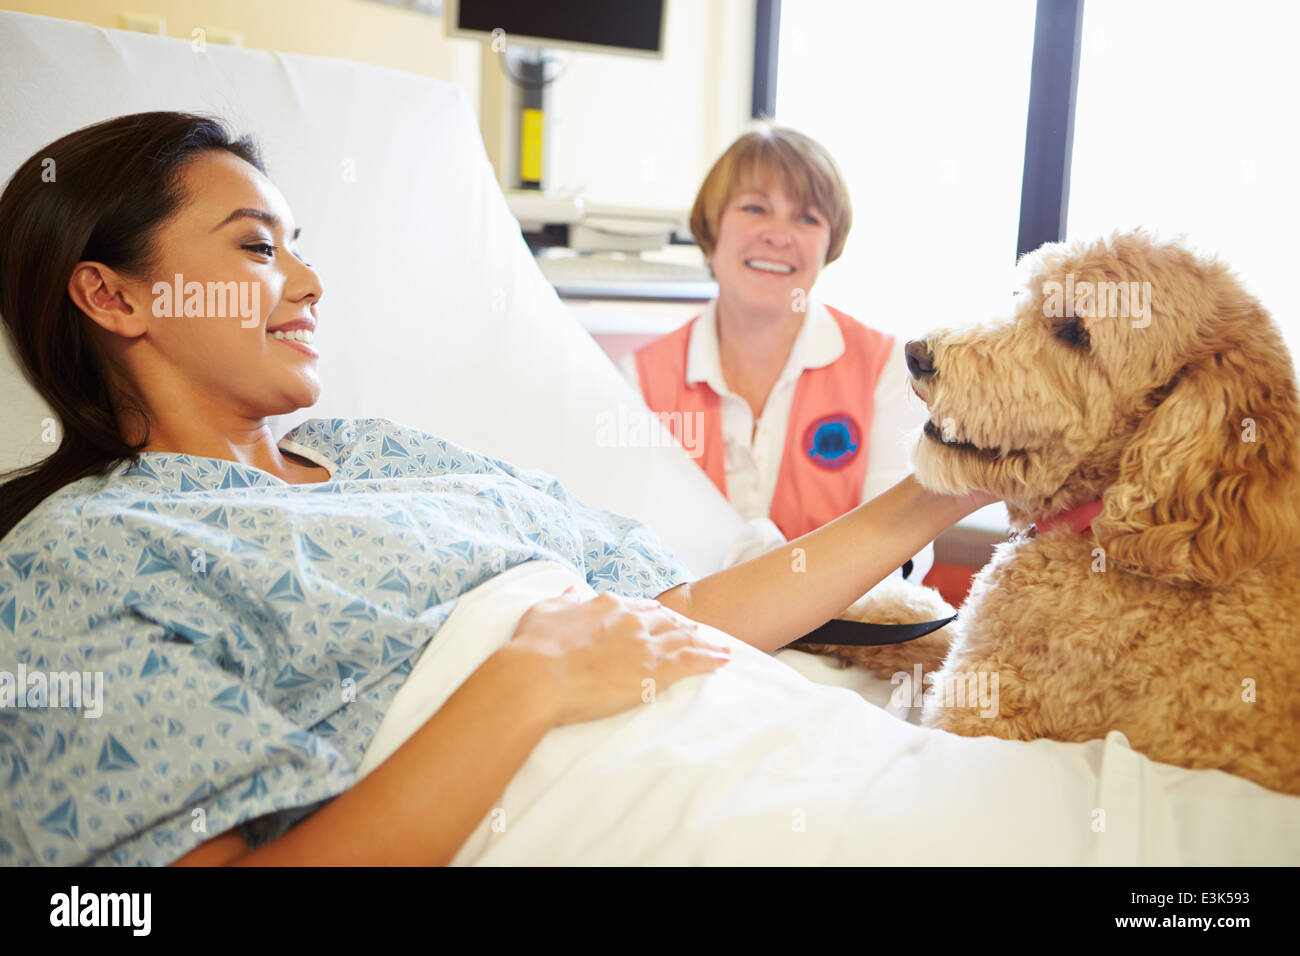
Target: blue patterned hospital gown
[[251, 633]]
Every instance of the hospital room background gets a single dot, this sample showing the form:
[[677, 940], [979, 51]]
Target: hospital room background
[[534, 180]]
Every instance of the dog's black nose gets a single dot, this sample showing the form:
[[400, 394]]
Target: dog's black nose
[[920, 360]]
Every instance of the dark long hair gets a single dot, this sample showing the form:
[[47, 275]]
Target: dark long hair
[[99, 194]]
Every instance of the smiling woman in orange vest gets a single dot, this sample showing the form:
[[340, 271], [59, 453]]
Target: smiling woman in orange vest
[[804, 410]]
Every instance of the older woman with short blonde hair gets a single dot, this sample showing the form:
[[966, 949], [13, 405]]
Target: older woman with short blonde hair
[[802, 409]]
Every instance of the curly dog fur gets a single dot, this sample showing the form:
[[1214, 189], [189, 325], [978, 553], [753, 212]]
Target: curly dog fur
[[1173, 621]]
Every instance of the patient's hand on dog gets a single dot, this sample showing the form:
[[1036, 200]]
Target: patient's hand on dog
[[895, 601]]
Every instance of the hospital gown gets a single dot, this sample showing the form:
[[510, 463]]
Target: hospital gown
[[251, 633]]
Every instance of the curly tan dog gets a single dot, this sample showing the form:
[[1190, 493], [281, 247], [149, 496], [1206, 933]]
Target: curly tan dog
[[1139, 407]]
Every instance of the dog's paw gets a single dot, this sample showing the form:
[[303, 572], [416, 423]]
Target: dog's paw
[[895, 601]]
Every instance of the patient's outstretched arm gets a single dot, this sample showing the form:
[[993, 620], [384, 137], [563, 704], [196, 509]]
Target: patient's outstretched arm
[[780, 596]]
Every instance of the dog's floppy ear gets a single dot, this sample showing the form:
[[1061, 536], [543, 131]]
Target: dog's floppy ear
[[1208, 485]]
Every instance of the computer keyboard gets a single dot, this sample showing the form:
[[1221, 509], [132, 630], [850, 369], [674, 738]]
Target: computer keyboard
[[622, 269], [605, 276]]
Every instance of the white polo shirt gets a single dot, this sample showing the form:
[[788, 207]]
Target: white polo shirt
[[753, 455]]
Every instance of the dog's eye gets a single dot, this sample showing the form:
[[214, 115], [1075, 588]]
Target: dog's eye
[[1073, 333]]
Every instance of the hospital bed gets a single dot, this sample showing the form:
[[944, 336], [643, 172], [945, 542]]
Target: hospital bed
[[435, 315]]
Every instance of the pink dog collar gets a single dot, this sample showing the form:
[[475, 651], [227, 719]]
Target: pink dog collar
[[1079, 518]]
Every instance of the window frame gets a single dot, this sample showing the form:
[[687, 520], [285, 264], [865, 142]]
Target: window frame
[[767, 45]]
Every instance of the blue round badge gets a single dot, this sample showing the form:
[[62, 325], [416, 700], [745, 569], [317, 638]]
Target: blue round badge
[[833, 441]]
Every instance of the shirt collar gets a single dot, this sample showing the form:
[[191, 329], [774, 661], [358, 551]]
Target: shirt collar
[[818, 343]]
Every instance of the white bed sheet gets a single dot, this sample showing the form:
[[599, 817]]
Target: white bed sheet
[[755, 764]]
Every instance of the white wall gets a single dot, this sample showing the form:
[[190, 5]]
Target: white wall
[[347, 29], [630, 130]]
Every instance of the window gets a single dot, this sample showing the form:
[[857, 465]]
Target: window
[[923, 106], [1186, 122]]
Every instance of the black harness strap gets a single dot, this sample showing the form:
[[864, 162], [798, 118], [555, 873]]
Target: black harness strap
[[862, 634]]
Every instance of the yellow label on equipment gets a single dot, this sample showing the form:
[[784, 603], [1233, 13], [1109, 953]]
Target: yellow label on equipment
[[530, 147]]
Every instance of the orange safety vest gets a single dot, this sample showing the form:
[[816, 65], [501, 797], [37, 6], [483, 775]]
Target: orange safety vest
[[824, 463]]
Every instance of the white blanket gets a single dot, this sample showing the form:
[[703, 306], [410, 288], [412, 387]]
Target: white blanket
[[755, 764]]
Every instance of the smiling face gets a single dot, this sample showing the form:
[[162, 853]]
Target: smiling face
[[770, 249], [233, 244]]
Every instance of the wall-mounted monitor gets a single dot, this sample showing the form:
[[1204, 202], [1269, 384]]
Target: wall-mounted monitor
[[634, 27]]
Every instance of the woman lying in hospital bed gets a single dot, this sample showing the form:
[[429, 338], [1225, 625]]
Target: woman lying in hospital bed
[[243, 610]]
